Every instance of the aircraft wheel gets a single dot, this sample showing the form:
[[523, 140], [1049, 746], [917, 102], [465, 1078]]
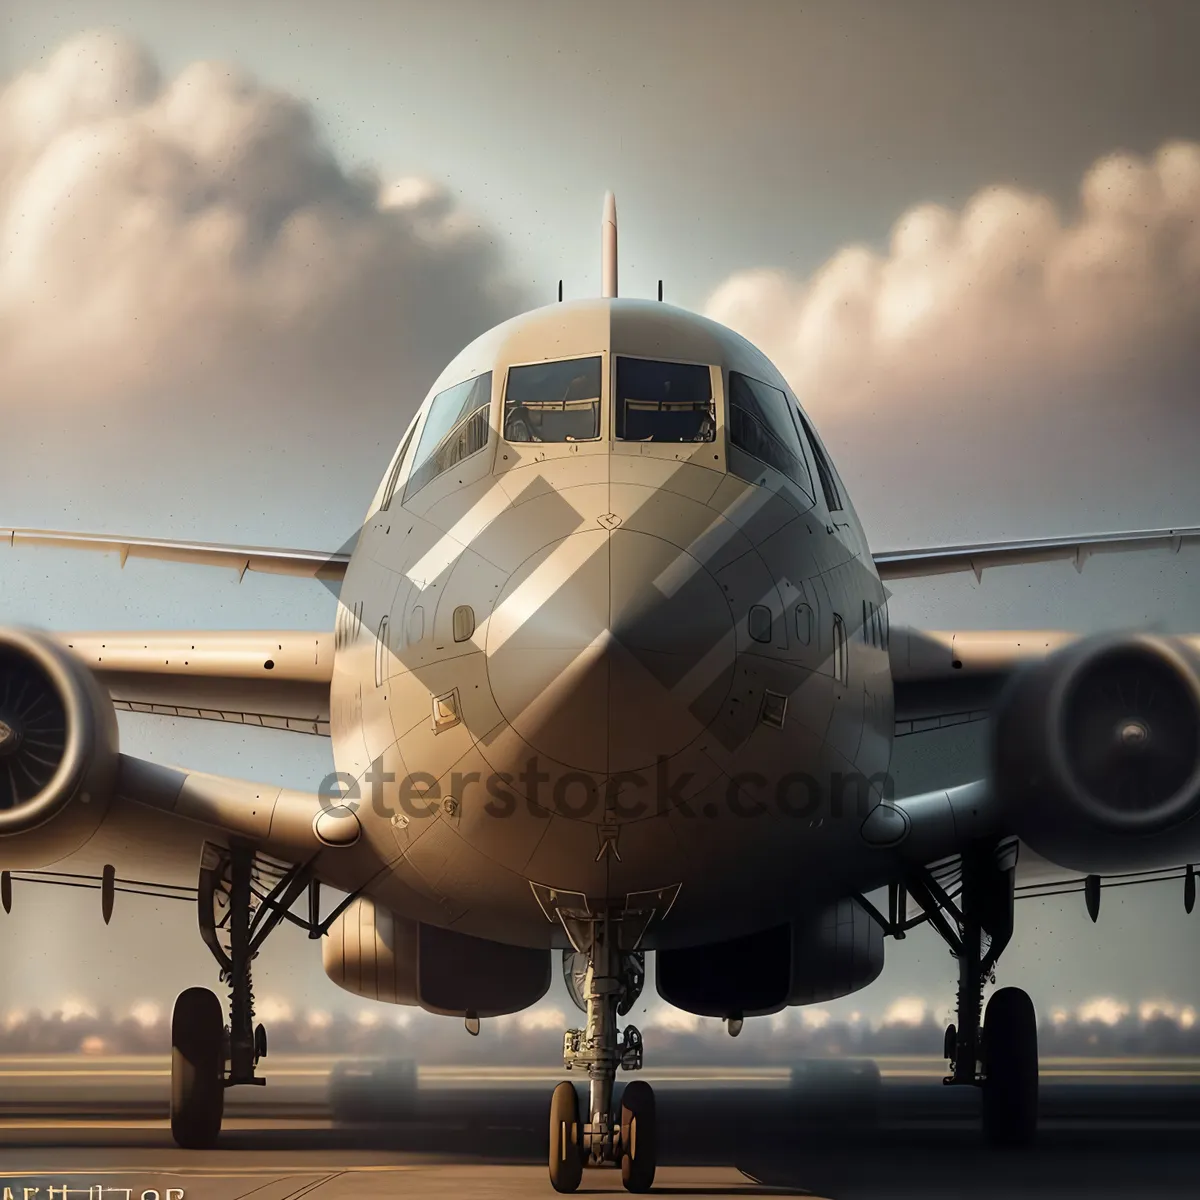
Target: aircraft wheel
[[639, 1136], [1010, 1085], [197, 1069], [566, 1139]]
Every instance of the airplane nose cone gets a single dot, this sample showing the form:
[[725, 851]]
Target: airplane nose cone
[[608, 650]]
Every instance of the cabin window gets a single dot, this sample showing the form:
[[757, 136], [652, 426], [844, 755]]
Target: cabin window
[[416, 625], [840, 666], [664, 402], [829, 487], [397, 467], [759, 424], [804, 623], [456, 427], [759, 623], [553, 401], [463, 622]]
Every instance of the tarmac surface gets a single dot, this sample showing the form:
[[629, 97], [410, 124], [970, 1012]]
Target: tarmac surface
[[334, 1129]]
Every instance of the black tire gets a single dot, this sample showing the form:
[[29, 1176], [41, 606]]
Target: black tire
[[1010, 1085], [566, 1139], [197, 1069], [639, 1136]]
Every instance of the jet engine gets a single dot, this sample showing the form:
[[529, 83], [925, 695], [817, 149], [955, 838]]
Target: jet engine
[[375, 953], [834, 953], [58, 751], [1096, 754]]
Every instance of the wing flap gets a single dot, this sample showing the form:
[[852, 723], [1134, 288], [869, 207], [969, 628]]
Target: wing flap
[[277, 679], [943, 678]]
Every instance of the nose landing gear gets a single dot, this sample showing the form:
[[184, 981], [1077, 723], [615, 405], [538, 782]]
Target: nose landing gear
[[605, 982]]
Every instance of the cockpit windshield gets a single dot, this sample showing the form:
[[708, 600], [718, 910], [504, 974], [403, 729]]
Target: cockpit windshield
[[455, 428], [553, 401], [664, 401]]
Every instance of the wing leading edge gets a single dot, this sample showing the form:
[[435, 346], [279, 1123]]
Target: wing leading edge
[[941, 560], [312, 564]]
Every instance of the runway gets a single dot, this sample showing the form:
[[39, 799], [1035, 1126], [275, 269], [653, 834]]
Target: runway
[[333, 1130]]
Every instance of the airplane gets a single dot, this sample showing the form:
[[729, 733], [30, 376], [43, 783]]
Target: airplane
[[611, 674]]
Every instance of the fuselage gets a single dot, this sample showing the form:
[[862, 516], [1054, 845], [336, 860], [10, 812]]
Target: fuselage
[[611, 635]]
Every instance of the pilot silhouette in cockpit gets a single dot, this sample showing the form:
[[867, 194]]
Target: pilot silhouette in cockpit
[[519, 426]]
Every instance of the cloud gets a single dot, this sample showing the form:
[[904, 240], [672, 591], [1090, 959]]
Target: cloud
[[146, 1013], [1004, 287], [274, 1008], [542, 1018], [1005, 338], [675, 1020], [153, 228], [1167, 1010], [906, 1010], [74, 1009], [191, 249], [1102, 1009]]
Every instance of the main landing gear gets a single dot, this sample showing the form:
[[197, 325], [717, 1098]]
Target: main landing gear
[[998, 1053], [242, 898], [605, 982]]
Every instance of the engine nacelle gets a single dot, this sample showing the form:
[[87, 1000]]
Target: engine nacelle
[[374, 953], [1096, 754], [58, 751], [833, 954]]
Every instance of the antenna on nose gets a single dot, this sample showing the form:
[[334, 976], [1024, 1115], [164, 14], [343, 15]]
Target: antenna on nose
[[608, 248]]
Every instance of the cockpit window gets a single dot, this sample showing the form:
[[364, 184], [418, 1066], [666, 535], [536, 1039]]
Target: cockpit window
[[664, 402], [833, 495], [394, 475], [553, 401], [455, 428], [760, 424]]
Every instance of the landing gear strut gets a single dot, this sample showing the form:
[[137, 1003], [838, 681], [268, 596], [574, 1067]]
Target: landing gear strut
[[999, 1053], [242, 898], [605, 982]]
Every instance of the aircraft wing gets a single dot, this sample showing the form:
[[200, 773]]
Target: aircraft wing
[[278, 679], [154, 826], [71, 802], [941, 560], [315, 564], [942, 678]]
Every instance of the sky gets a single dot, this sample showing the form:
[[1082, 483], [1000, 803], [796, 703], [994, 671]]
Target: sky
[[237, 243]]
